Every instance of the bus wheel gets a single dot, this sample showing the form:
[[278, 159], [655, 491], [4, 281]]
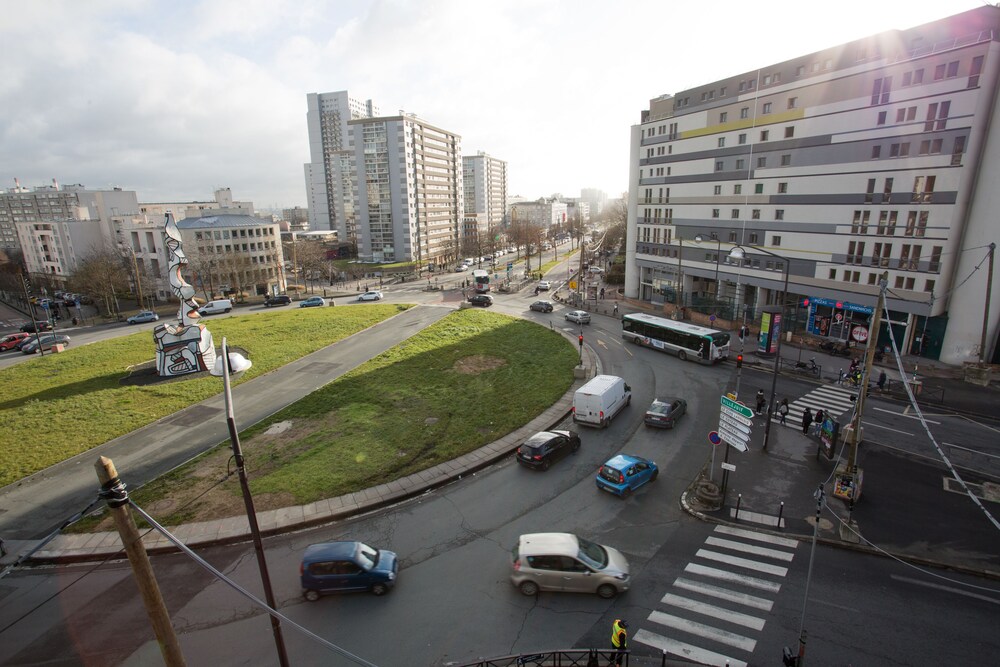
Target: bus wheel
[[682, 355]]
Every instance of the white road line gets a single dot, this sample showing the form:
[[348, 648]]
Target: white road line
[[749, 548], [726, 594], [733, 577], [904, 415], [950, 589], [896, 430], [760, 537], [699, 655], [742, 562], [746, 620], [702, 630]]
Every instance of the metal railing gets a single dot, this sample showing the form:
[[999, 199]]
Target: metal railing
[[565, 658]]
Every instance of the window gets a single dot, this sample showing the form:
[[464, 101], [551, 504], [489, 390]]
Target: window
[[792, 102], [909, 283], [881, 118], [883, 218], [779, 214], [767, 79], [786, 159], [900, 115], [974, 71], [723, 117], [758, 188], [767, 107], [776, 241], [789, 132], [871, 278], [952, 69], [738, 189], [833, 274], [876, 152], [735, 213], [922, 224], [732, 237], [890, 230], [743, 138], [722, 142], [929, 286], [755, 214], [717, 190], [934, 266], [918, 76], [880, 90], [888, 188], [761, 162], [745, 112], [870, 191], [865, 217], [800, 70], [899, 282], [754, 238], [741, 164], [904, 256], [907, 78], [782, 188], [718, 165], [715, 213], [764, 134], [939, 72]]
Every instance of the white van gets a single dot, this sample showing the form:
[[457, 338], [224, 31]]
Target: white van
[[217, 306], [603, 397]]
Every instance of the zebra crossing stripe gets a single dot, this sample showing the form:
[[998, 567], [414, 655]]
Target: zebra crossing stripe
[[767, 568], [760, 537], [702, 630], [726, 594], [688, 651], [746, 620], [749, 549], [733, 577]]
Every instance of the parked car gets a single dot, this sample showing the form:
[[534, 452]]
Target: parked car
[[484, 300], [312, 302], [566, 562], [44, 342], [623, 474], [11, 341], [578, 316], [373, 295], [32, 327], [332, 567], [216, 306], [277, 300], [541, 306], [143, 316], [546, 447], [543, 286], [596, 269], [664, 412]]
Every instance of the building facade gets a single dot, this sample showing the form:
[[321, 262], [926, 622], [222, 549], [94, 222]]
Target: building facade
[[544, 213], [485, 183], [409, 200], [329, 174], [834, 167], [597, 199]]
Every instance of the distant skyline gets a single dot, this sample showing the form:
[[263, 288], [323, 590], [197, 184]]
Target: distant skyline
[[174, 100]]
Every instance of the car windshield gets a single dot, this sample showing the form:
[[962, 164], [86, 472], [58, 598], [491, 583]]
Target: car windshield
[[368, 556], [592, 554]]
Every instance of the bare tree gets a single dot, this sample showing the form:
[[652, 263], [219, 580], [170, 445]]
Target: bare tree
[[103, 274], [312, 261]]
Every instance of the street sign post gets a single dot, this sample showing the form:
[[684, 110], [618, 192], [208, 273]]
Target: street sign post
[[735, 421]]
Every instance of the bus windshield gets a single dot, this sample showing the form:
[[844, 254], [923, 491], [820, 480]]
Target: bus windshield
[[481, 281]]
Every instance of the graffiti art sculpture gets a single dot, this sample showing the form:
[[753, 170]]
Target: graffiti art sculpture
[[186, 347]]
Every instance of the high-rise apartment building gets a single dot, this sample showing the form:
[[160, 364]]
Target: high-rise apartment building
[[597, 199], [485, 183], [872, 156], [329, 173], [409, 197]]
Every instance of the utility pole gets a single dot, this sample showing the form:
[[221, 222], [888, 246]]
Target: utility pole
[[113, 490], [580, 277], [680, 277]]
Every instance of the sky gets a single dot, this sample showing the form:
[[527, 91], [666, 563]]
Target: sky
[[176, 99]]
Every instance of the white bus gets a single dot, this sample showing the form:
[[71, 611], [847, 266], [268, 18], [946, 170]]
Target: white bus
[[481, 281], [685, 340]]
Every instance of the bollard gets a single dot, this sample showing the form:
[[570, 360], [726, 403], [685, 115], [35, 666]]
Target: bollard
[[781, 510], [739, 499]]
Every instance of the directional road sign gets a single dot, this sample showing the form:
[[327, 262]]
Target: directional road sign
[[735, 421], [737, 407]]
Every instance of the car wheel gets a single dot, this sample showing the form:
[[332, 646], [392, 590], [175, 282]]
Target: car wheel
[[545, 465], [607, 591], [626, 492], [311, 595], [576, 447], [380, 589], [529, 588], [654, 475], [228, 309], [682, 355]]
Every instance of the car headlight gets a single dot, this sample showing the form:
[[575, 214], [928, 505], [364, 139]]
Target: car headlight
[[392, 576], [621, 577]]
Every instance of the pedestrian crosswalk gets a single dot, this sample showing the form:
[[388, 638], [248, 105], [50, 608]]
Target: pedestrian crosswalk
[[714, 612], [832, 400]]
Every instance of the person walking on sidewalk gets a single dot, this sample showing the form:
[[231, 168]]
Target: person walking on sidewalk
[[761, 402], [818, 422], [807, 418], [619, 639], [783, 410], [616, 308]]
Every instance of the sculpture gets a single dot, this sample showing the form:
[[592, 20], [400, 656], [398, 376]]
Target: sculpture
[[188, 346]]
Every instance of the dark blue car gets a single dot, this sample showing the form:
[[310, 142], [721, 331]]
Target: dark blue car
[[332, 567], [624, 474]]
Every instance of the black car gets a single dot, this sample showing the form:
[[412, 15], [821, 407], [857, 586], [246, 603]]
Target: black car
[[32, 327], [484, 300], [541, 306], [277, 300], [546, 447], [664, 412]]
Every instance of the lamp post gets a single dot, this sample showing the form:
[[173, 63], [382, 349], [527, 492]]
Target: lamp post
[[224, 365], [739, 253], [718, 250]]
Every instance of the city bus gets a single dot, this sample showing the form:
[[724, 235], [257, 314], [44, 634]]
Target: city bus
[[481, 281], [683, 339]]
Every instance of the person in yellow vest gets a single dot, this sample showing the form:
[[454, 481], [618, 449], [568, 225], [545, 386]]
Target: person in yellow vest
[[619, 639]]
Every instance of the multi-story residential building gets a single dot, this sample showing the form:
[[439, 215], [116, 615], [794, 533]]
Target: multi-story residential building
[[485, 183], [409, 197], [329, 174], [297, 218], [597, 199], [874, 156], [222, 203], [577, 210], [544, 213]]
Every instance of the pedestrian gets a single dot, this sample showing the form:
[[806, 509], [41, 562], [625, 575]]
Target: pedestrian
[[761, 402], [818, 421], [619, 639], [616, 308], [807, 418], [783, 410], [881, 381]]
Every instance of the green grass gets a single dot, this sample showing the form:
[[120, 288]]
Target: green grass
[[60, 405]]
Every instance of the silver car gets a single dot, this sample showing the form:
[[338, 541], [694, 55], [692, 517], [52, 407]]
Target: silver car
[[578, 316], [567, 563]]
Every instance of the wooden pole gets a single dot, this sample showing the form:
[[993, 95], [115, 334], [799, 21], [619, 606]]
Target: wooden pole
[[117, 497]]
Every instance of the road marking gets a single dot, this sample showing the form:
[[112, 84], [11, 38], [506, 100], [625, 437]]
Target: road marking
[[712, 611], [896, 430], [928, 584], [702, 630], [733, 577], [742, 562], [744, 599], [903, 414], [754, 535], [749, 548], [673, 647]]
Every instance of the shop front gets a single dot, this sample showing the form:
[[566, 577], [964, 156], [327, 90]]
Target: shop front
[[836, 319]]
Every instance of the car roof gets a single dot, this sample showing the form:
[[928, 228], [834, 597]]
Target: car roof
[[543, 436], [532, 544], [666, 400], [622, 461], [329, 551]]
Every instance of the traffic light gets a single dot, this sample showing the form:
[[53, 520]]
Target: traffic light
[[739, 360], [581, 340], [805, 303]]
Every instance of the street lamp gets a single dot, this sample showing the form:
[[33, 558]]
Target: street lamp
[[225, 364], [718, 250], [739, 253]]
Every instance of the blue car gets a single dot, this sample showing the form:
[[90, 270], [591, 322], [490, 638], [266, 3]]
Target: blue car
[[624, 474], [312, 301], [346, 566]]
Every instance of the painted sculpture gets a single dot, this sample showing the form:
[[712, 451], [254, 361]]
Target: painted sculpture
[[186, 347]]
